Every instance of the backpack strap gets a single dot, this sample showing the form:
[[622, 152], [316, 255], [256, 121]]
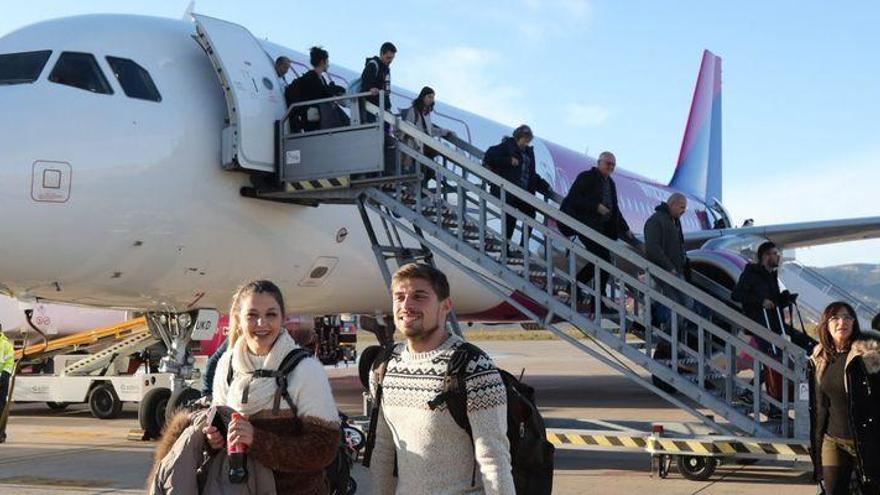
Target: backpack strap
[[380, 366], [454, 392], [288, 364]]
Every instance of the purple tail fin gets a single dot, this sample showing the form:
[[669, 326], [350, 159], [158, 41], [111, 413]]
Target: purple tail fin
[[699, 162]]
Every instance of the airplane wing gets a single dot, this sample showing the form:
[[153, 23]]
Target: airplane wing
[[794, 235]]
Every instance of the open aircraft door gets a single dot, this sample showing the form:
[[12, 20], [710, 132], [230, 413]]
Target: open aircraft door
[[254, 96]]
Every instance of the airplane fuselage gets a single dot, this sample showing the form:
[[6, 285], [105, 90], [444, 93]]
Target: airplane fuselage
[[146, 217]]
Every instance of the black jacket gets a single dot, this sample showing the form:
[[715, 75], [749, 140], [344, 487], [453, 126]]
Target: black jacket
[[377, 75], [310, 86], [584, 197], [664, 241], [862, 381], [499, 159], [754, 285]]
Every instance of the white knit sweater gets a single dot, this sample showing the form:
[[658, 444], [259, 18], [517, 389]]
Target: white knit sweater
[[434, 454]]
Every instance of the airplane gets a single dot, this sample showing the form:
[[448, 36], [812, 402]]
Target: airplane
[[113, 126]]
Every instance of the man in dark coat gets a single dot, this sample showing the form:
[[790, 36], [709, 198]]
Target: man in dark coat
[[376, 76], [514, 160], [664, 246], [592, 199], [758, 287]]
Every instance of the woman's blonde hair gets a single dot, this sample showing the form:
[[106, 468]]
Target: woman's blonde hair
[[252, 287]]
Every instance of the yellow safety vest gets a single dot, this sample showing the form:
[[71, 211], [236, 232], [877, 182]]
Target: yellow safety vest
[[7, 354]]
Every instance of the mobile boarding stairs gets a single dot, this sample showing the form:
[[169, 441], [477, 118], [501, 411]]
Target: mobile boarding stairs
[[455, 216]]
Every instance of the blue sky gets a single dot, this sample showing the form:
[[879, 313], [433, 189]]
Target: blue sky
[[801, 81]]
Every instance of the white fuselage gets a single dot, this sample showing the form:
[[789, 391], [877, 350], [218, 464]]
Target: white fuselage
[[152, 220]]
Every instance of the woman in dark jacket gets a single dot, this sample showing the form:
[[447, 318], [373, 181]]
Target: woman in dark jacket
[[845, 403], [313, 86]]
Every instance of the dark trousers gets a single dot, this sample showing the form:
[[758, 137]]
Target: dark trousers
[[838, 462], [4, 392], [586, 274], [510, 220]]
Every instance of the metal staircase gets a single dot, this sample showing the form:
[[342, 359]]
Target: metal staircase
[[817, 291], [459, 219], [97, 360]]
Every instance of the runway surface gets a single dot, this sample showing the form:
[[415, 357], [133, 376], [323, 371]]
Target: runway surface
[[70, 452]]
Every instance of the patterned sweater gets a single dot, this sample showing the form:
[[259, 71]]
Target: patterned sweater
[[435, 455]]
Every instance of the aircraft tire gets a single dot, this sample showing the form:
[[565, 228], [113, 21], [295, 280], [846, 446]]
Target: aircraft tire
[[182, 399], [104, 403], [57, 406]]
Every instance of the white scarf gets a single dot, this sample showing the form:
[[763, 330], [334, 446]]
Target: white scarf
[[261, 391]]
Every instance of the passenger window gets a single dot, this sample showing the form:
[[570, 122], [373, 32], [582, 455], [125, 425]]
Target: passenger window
[[134, 79], [22, 68], [80, 70]]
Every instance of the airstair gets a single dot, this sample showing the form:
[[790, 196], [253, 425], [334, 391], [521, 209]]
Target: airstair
[[816, 291], [454, 215]]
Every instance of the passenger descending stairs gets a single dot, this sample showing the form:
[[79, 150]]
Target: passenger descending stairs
[[705, 353]]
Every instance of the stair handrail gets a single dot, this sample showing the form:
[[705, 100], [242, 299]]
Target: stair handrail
[[651, 270]]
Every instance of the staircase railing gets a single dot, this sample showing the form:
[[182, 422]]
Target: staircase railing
[[470, 220]]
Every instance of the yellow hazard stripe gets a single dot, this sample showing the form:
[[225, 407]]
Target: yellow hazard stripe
[[311, 185], [676, 446], [725, 448]]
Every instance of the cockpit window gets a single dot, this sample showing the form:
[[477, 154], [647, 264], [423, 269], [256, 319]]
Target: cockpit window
[[22, 68], [80, 70], [134, 79]]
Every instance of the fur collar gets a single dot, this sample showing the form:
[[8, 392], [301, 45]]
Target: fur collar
[[869, 350]]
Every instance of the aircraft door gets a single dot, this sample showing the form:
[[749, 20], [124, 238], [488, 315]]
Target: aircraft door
[[254, 95]]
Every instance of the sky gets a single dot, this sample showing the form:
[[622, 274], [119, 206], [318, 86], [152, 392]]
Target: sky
[[801, 81]]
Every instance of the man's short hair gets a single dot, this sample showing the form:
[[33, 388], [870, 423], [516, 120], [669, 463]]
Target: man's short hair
[[764, 248], [428, 273], [522, 131], [675, 198], [387, 47], [603, 155], [317, 55], [281, 59]]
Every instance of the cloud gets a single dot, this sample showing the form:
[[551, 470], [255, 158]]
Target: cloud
[[552, 18], [820, 191], [585, 115], [462, 76]]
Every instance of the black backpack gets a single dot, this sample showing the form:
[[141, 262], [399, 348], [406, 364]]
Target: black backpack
[[338, 473], [531, 454]]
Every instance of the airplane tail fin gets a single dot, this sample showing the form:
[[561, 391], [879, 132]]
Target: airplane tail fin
[[699, 162]]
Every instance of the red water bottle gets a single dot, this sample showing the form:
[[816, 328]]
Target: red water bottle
[[237, 459]]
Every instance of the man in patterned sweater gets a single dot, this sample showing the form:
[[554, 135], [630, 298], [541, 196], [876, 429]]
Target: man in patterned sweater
[[433, 455]]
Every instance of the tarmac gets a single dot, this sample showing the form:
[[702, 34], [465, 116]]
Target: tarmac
[[70, 452]]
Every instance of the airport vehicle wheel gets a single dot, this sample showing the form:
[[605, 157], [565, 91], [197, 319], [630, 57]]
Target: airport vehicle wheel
[[57, 406], [151, 412], [696, 468], [104, 403]]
